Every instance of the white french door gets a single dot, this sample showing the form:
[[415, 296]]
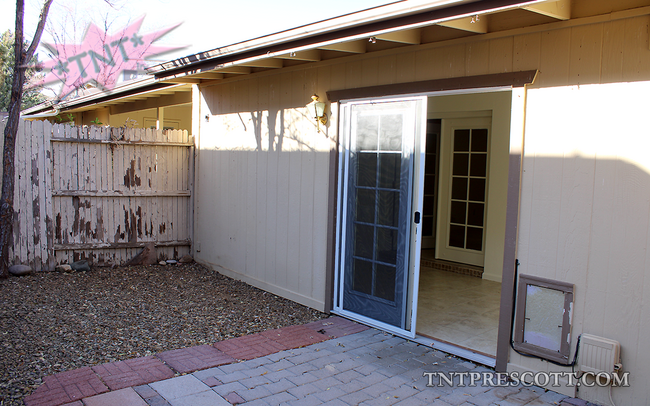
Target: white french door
[[462, 204]]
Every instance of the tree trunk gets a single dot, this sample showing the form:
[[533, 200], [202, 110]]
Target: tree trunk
[[7, 199], [11, 130]]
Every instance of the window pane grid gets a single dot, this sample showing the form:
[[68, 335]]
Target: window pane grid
[[468, 188], [384, 156]]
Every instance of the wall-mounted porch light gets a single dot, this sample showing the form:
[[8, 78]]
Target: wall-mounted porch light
[[316, 109]]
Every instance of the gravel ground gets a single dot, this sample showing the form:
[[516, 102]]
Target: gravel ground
[[53, 322]]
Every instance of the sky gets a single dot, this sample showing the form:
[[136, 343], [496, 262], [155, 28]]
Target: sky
[[205, 24]]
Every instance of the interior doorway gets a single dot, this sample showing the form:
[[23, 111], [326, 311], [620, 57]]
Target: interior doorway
[[457, 304]]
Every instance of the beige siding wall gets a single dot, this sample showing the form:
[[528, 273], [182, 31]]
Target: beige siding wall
[[585, 216], [262, 177], [262, 180]]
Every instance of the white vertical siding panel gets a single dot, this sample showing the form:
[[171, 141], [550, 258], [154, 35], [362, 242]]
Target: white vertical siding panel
[[501, 55], [636, 57], [305, 245], [554, 58], [405, 68], [369, 72], [586, 48], [386, 69], [526, 52], [613, 49], [292, 156], [477, 58], [353, 75], [423, 63]]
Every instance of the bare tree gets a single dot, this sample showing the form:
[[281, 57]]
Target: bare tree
[[22, 58]]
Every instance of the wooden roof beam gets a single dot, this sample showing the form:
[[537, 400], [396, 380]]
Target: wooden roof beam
[[470, 24], [354, 47], [264, 63], [404, 37], [208, 75], [560, 9], [311, 55], [240, 70], [184, 79]]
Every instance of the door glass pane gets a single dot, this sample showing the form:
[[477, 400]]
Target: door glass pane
[[390, 165], [367, 169], [428, 205], [388, 208], [459, 188], [458, 211], [478, 166], [385, 282], [457, 236], [363, 241], [461, 164], [362, 276], [477, 190], [365, 205], [461, 140], [474, 238], [367, 126], [386, 245], [480, 140], [390, 138], [475, 214]]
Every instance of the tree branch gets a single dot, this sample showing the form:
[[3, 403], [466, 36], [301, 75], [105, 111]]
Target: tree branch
[[39, 30]]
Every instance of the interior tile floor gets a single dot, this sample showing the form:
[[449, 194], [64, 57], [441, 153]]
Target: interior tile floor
[[459, 309]]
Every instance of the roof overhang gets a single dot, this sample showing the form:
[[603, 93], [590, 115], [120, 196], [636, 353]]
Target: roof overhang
[[397, 23], [133, 91]]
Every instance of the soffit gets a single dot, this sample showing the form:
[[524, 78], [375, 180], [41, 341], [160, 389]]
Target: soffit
[[457, 21]]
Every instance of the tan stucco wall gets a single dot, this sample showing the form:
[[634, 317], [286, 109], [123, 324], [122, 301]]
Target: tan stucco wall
[[262, 174]]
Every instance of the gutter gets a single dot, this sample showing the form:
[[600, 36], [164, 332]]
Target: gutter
[[52, 113]]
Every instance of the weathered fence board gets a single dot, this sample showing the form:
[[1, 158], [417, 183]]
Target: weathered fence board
[[100, 193]]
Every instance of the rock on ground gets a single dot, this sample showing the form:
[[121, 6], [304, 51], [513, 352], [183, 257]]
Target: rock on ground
[[145, 257], [20, 270]]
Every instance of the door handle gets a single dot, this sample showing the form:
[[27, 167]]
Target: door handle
[[417, 217]]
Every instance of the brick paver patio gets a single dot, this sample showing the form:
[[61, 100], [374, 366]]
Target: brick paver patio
[[333, 361]]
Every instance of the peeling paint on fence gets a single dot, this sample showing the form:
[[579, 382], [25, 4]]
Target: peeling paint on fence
[[100, 194]]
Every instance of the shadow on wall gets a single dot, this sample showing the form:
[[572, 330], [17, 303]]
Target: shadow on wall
[[586, 221], [270, 120]]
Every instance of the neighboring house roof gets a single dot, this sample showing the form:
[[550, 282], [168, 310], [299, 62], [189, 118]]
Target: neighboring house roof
[[135, 90]]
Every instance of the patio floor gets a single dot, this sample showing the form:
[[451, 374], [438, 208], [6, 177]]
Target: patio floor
[[332, 361]]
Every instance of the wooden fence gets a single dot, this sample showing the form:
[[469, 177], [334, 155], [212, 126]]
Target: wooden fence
[[100, 193]]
